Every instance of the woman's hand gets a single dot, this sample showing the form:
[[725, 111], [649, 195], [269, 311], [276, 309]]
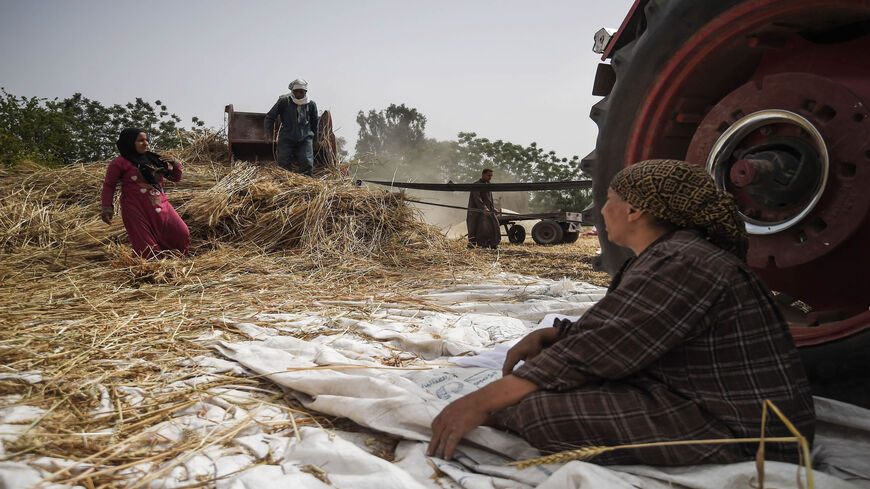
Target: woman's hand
[[170, 159], [471, 411], [107, 214], [529, 347], [457, 419]]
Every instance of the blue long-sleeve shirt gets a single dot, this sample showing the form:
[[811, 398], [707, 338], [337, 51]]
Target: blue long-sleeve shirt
[[297, 121]]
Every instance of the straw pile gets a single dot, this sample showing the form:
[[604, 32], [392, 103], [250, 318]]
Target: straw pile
[[328, 218], [84, 320]]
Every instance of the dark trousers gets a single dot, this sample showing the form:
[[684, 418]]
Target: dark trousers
[[299, 152]]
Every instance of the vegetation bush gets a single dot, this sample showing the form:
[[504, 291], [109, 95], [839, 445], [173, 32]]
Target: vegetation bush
[[58, 132]]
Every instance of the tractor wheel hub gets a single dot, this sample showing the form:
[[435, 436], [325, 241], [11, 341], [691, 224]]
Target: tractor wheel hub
[[796, 164], [776, 181]]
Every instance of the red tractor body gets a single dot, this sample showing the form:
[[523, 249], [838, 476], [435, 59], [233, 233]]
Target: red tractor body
[[771, 97]]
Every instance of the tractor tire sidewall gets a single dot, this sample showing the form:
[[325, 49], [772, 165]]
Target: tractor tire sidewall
[[670, 23], [838, 369]]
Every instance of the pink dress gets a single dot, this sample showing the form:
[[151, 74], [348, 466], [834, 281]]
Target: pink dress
[[150, 220]]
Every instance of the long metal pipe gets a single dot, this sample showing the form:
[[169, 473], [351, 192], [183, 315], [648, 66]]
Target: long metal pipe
[[492, 187]]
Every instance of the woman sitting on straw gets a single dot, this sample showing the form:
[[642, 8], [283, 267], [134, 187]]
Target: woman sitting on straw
[[151, 222], [686, 344]]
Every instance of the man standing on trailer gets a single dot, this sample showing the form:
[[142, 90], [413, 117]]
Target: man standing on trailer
[[298, 127], [483, 231]]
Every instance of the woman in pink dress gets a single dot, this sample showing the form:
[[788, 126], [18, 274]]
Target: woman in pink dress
[[152, 224]]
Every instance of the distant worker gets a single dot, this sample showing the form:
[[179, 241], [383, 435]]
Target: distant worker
[[151, 222], [483, 231], [298, 127]]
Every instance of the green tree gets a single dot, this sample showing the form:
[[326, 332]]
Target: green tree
[[76, 128], [391, 132], [341, 145]]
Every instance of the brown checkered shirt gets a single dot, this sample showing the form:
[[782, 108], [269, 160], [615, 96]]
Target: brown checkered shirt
[[687, 343]]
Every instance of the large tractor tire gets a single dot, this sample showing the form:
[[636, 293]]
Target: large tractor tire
[[738, 85]]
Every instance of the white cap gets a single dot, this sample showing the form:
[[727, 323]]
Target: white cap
[[298, 84]]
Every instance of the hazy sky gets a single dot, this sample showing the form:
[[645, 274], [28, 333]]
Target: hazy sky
[[520, 71]]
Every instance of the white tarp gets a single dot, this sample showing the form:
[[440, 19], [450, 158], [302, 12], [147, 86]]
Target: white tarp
[[340, 371]]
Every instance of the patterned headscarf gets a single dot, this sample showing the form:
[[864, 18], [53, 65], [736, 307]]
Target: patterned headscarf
[[684, 195]]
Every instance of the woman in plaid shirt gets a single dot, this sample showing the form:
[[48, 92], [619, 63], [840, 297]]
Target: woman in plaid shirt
[[687, 343]]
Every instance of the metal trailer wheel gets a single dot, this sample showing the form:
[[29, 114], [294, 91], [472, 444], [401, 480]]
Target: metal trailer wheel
[[754, 90], [516, 234], [547, 232], [570, 237]]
